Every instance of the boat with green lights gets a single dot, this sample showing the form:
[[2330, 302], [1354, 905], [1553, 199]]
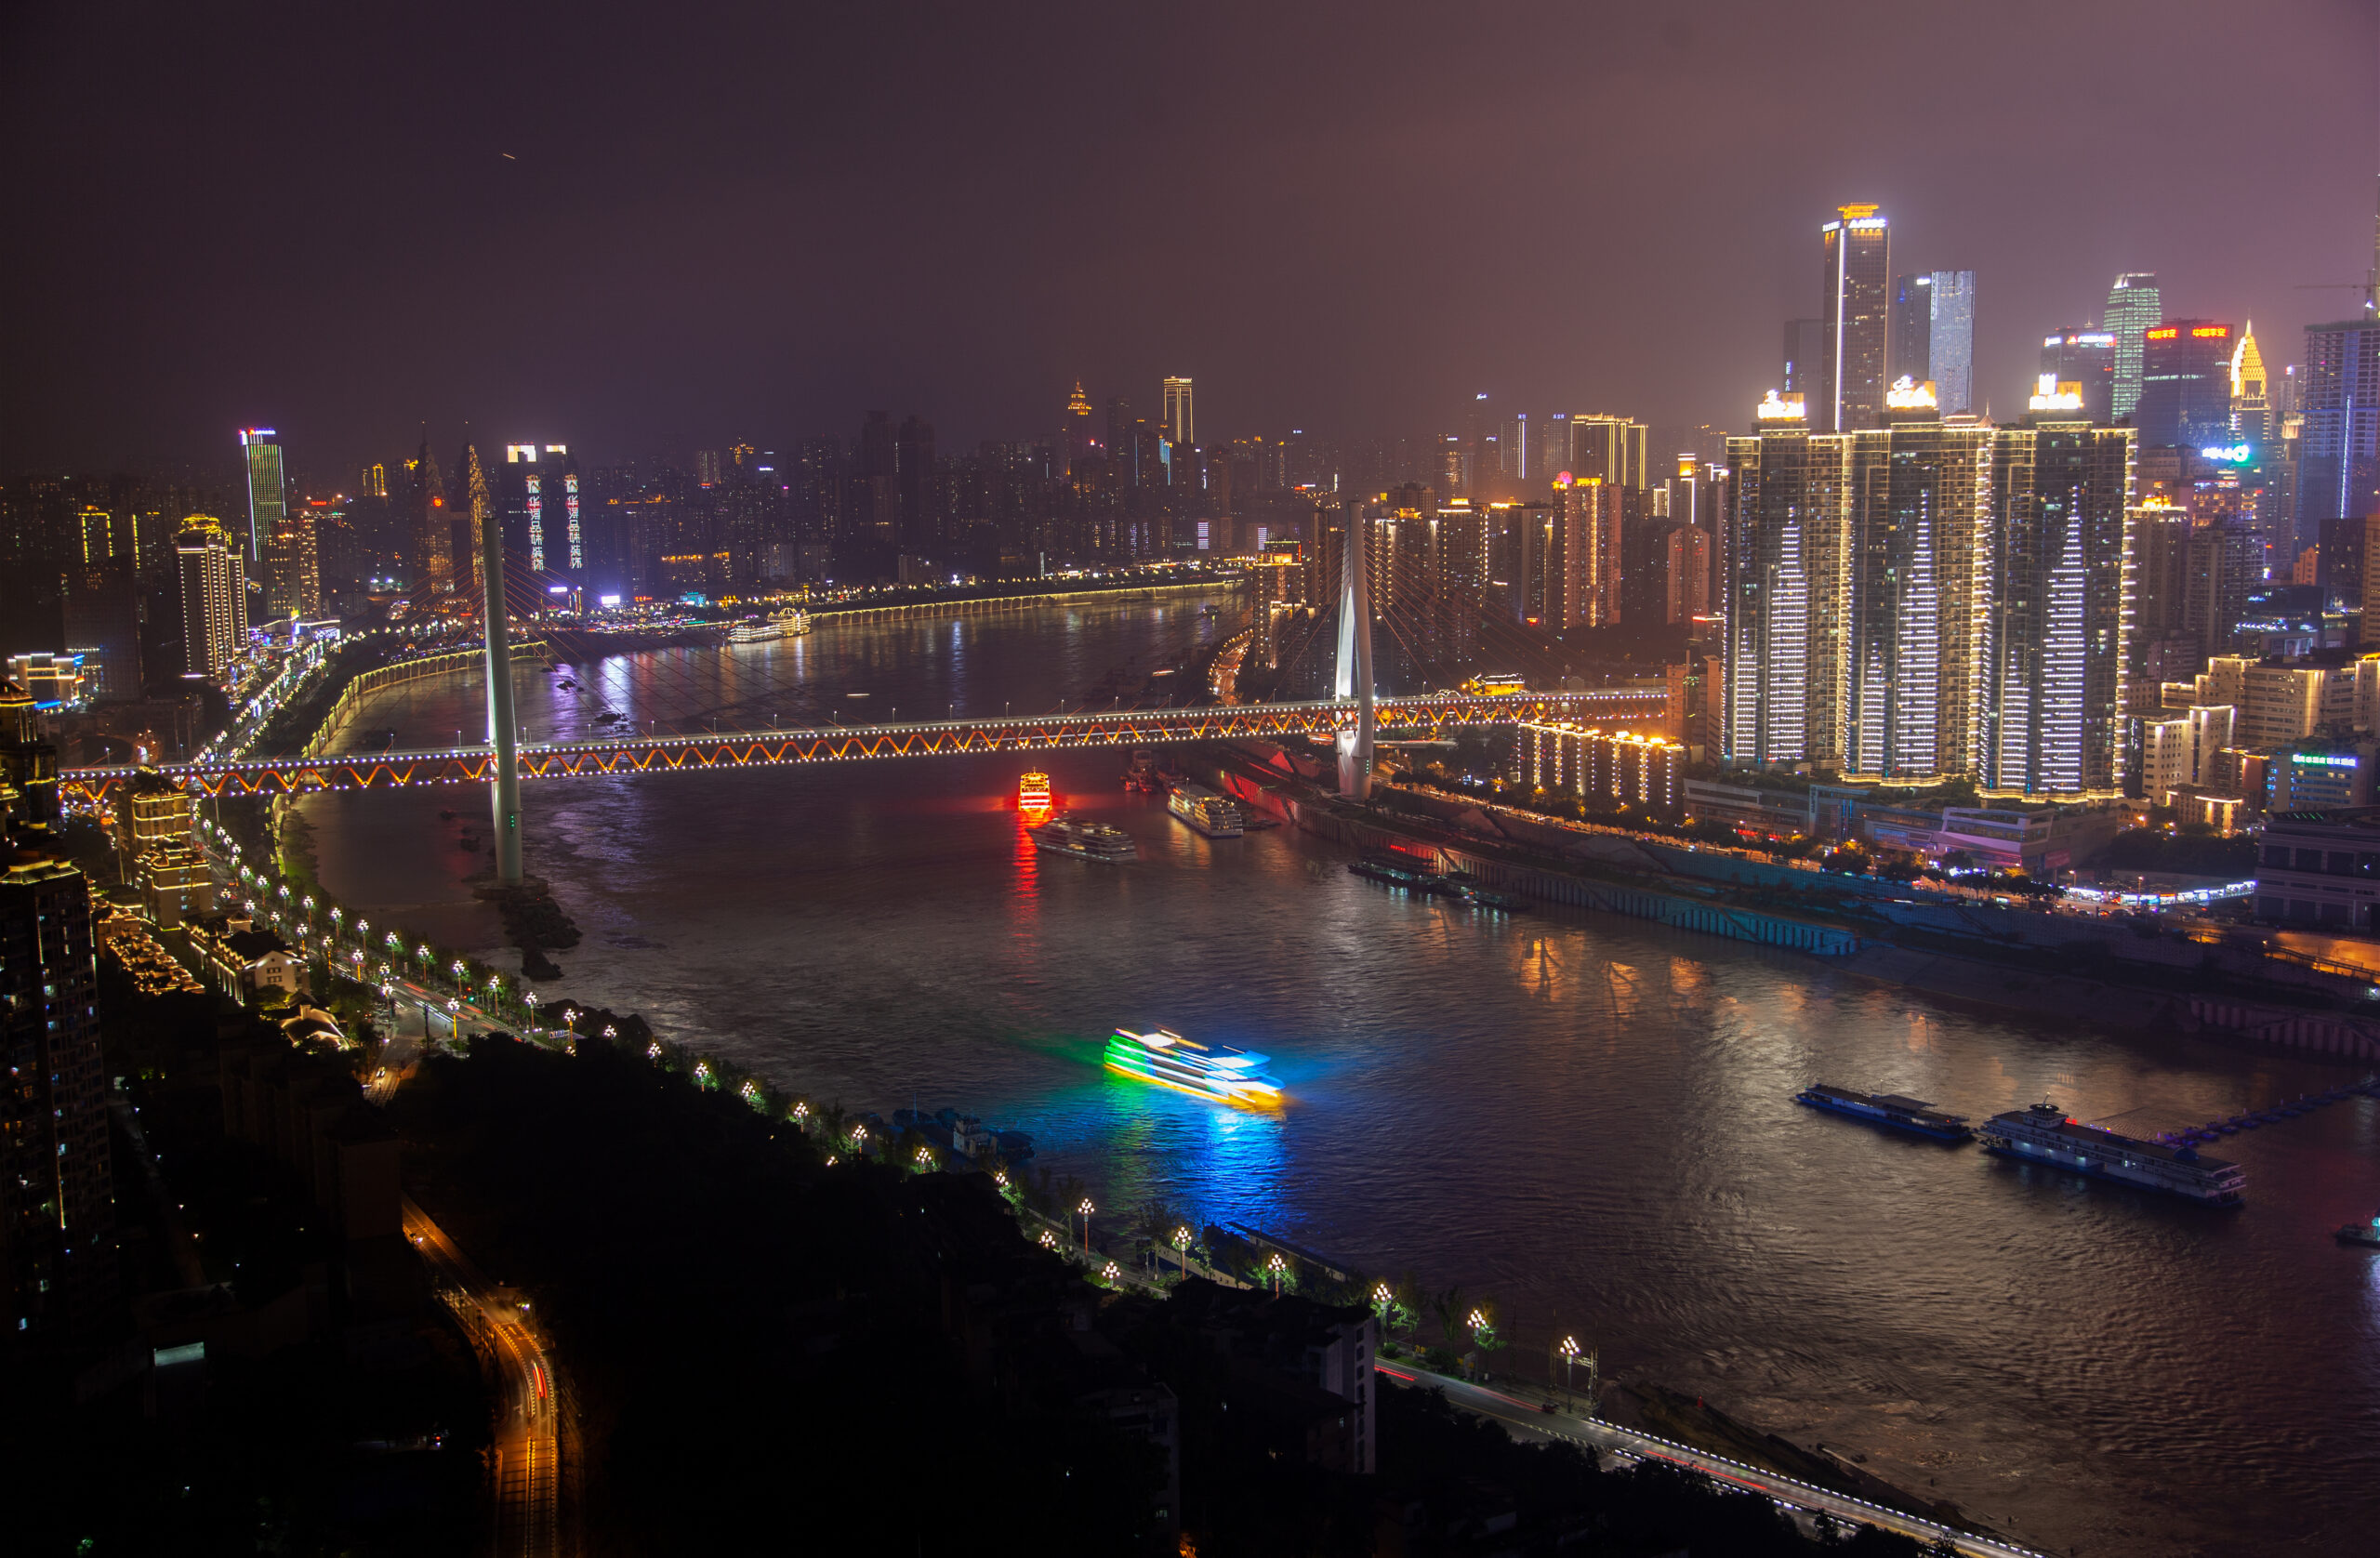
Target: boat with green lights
[[1215, 1071]]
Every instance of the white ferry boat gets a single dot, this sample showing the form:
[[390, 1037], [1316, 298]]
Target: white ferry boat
[[1065, 833], [1214, 816], [794, 621], [2045, 1134], [1215, 1071], [755, 633]]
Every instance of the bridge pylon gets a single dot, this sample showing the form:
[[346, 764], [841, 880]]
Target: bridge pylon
[[504, 791], [1355, 672]]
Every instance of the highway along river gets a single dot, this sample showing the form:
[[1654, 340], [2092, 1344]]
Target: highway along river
[[1587, 1118]]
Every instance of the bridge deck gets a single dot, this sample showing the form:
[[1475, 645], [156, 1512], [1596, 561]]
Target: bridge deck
[[334, 771]]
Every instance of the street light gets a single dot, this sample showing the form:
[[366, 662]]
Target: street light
[[1277, 1269], [1085, 1211]]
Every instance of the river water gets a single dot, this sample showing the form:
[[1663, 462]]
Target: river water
[[1584, 1117]]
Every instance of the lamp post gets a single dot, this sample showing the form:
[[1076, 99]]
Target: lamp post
[[1569, 1356], [1182, 1248], [1278, 1270], [1085, 1211]]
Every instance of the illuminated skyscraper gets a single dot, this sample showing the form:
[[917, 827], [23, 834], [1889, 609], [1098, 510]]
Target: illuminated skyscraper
[[1779, 552], [2251, 400], [1914, 498], [1181, 425], [2087, 359], [268, 487], [293, 580], [215, 597], [1080, 441], [1615, 450], [1950, 341], [2133, 309], [2338, 472], [2184, 385], [1856, 305], [2055, 633], [542, 523]]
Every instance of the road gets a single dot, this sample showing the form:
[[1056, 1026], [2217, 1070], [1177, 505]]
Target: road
[[1529, 1419], [531, 1434]]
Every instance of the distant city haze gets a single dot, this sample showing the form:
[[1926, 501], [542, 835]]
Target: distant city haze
[[634, 230]]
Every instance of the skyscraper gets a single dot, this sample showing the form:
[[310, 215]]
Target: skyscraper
[[1804, 348], [2338, 474], [2184, 385], [1950, 341], [431, 544], [1913, 499], [293, 580], [1857, 295], [2087, 359], [1779, 553], [538, 497], [215, 597], [1910, 333], [57, 1200], [1179, 425], [2054, 640], [2251, 400], [1080, 441], [2133, 309], [268, 488], [1615, 450]]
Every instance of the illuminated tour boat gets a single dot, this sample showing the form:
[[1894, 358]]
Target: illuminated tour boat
[[1086, 840], [1214, 816], [2043, 1134], [1033, 791], [1215, 1071]]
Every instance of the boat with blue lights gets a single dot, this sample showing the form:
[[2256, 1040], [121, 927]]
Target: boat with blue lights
[[1215, 1071], [1888, 1109]]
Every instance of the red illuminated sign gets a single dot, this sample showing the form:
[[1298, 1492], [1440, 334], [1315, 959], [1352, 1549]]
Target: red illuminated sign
[[2167, 334], [2204, 331]]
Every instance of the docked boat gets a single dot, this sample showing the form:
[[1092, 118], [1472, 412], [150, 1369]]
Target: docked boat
[[1141, 772], [1215, 1071], [2366, 1234], [1033, 791], [1472, 891], [1214, 816], [759, 631], [2045, 1134], [1399, 871], [792, 622], [1087, 840], [1888, 1109]]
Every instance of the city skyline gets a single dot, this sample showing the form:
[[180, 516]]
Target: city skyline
[[701, 306]]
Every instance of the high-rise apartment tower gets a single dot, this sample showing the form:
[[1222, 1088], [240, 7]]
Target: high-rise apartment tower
[[1855, 306]]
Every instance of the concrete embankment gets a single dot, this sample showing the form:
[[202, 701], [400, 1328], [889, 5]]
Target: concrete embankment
[[1984, 955]]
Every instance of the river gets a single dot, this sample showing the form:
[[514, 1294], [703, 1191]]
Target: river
[[1587, 1118]]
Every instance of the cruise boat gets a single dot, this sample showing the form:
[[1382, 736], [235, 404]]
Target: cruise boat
[[2043, 1134], [756, 632], [1214, 816], [1888, 1109], [794, 621], [1399, 870], [1215, 1071], [1033, 791], [1089, 841]]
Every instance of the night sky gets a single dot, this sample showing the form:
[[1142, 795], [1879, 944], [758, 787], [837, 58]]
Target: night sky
[[755, 220]]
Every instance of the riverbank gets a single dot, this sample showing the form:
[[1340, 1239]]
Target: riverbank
[[1983, 957]]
